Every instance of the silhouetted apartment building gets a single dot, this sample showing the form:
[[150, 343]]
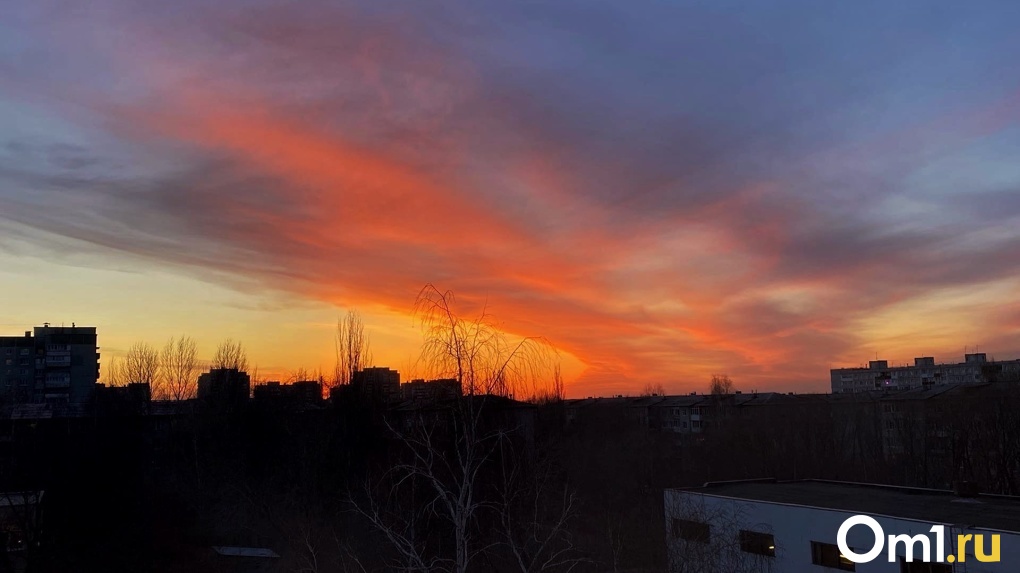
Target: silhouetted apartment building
[[376, 384], [52, 364], [679, 414], [224, 386], [420, 390], [132, 399], [301, 393], [924, 373]]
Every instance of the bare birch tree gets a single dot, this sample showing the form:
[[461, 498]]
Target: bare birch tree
[[231, 354], [142, 364], [352, 347], [440, 480], [535, 517], [651, 389], [114, 373], [179, 364], [483, 358], [720, 385]]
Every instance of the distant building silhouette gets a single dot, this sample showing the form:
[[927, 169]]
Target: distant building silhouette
[[133, 398], [376, 384], [420, 390], [224, 386], [925, 373], [299, 394], [53, 364]]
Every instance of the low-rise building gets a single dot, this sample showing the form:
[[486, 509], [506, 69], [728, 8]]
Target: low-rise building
[[924, 373], [420, 390], [300, 394], [224, 386]]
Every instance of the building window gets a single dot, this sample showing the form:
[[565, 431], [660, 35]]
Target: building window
[[691, 530], [695, 411], [685, 425], [758, 543], [921, 567], [828, 555], [696, 424]]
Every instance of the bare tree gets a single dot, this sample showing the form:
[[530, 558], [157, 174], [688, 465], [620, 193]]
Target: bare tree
[[653, 390], [447, 452], [535, 516], [231, 354], [179, 363], [721, 385], [483, 358], [142, 364], [256, 377], [114, 373], [352, 347], [559, 390]]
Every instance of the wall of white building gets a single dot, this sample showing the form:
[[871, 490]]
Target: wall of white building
[[794, 527]]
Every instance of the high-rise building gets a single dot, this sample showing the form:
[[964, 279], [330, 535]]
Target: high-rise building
[[377, 384], [52, 364]]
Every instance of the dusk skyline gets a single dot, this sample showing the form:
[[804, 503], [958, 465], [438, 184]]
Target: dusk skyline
[[663, 191]]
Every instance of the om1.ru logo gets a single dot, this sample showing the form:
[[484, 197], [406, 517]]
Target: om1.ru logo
[[909, 542]]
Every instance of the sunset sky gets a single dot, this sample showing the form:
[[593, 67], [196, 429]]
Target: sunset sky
[[663, 190]]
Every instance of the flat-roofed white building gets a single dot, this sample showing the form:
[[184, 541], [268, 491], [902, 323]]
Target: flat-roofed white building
[[792, 527], [924, 373]]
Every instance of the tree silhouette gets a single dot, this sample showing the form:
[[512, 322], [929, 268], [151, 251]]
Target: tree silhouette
[[352, 347], [142, 364], [475, 352], [721, 385], [231, 354], [178, 364], [448, 451]]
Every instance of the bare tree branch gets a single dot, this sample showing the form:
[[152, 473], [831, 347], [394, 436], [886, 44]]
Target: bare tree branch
[[142, 364], [352, 347], [231, 354], [178, 364]]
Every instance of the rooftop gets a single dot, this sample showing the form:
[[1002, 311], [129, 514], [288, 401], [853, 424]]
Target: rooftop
[[928, 505], [245, 552]]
